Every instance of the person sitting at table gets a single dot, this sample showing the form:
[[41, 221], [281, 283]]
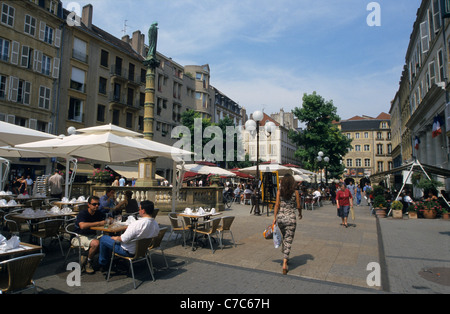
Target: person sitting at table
[[86, 219], [108, 203], [143, 228], [128, 204], [247, 193]]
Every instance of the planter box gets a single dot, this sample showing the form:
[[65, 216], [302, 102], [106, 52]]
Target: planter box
[[446, 216], [412, 215], [397, 214], [381, 212]]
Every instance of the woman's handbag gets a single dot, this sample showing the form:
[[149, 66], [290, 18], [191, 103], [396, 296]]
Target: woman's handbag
[[268, 233]]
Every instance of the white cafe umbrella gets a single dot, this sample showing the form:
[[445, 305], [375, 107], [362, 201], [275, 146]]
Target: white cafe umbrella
[[11, 134], [299, 176], [282, 170], [206, 170], [107, 143]]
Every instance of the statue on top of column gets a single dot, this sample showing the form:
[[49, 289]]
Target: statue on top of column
[[151, 60]]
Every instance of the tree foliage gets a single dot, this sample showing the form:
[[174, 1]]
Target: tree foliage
[[320, 135]]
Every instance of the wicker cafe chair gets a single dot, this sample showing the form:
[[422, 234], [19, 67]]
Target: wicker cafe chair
[[156, 245], [141, 254], [48, 229], [178, 226], [19, 274], [207, 228], [225, 227]]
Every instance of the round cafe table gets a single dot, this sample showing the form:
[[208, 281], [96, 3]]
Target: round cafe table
[[61, 204]]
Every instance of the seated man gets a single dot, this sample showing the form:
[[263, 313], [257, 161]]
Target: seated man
[[129, 204], [316, 196], [86, 219], [143, 228], [108, 203]]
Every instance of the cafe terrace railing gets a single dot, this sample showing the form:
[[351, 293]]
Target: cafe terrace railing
[[161, 196]]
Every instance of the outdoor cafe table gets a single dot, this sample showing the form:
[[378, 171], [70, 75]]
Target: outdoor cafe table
[[61, 204], [9, 207], [112, 229], [42, 215], [195, 217], [24, 248]]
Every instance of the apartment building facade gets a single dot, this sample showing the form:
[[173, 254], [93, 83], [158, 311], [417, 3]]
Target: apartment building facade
[[275, 147], [372, 148], [30, 62], [55, 75], [423, 95]]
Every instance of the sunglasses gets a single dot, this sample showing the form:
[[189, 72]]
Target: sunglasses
[[95, 204]]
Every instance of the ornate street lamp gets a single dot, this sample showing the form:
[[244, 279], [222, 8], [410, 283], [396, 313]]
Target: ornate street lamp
[[252, 125], [320, 158]]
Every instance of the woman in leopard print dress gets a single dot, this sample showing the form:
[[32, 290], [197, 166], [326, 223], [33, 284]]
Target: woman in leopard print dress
[[288, 200]]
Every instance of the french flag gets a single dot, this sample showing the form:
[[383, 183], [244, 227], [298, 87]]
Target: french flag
[[437, 127], [417, 143]]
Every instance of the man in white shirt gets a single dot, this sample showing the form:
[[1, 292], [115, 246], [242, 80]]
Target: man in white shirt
[[55, 183], [143, 228], [316, 195]]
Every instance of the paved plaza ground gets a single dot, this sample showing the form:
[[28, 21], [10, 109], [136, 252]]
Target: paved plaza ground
[[414, 257]]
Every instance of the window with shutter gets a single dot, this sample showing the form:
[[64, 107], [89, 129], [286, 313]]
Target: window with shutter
[[424, 37]]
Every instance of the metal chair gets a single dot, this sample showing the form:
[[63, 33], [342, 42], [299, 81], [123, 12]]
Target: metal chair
[[156, 245], [14, 225], [247, 199], [141, 254], [19, 274], [179, 226], [209, 228], [225, 227], [70, 229], [48, 229], [309, 201]]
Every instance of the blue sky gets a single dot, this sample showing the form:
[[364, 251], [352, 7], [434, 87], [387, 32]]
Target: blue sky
[[266, 54]]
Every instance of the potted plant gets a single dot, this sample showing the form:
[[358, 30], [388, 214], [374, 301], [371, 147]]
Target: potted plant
[[412, 211], [445, 214], [102, 177], [380, 205], [431, 209], [397, 209]]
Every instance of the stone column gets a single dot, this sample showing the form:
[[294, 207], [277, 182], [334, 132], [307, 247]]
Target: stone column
[[147, 166]]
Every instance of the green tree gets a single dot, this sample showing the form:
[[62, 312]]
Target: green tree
[[320, 135], [187, 119]]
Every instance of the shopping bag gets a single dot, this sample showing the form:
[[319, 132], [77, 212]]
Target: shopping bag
[[277, 237], [352, 211], [268, 233]]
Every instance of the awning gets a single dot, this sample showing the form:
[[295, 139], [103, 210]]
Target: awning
[[129, 172], [430, 169], [82, 169]]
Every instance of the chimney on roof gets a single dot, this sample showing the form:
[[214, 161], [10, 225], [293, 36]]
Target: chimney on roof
[[137, 42], [86, 16], [126, 39]]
